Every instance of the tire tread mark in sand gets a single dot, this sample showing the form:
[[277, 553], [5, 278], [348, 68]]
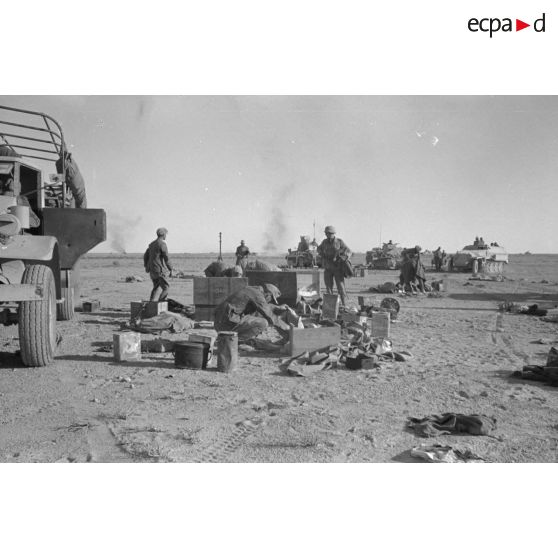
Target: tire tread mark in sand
[[504, 341], [221, 450]]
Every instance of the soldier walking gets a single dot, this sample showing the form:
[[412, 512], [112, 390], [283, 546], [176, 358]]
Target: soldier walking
[[157, 264]]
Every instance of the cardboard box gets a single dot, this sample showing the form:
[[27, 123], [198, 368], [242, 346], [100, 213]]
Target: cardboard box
[[147, 309]]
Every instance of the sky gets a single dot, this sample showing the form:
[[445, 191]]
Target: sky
[[427, 170]]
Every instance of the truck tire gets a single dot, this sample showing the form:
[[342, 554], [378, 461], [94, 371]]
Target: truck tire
[[65, 309], [37, 319]]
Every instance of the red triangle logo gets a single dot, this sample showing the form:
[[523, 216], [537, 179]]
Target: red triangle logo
[[519, 25]]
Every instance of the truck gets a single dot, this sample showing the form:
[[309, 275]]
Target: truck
[[43, 232]]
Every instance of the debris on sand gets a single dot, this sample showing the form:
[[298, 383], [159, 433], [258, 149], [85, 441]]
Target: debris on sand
[[515, 308], [452, 423], [158, 345], [165, 321], [547, 374], [437, 453], [133, 279], [482, 277]]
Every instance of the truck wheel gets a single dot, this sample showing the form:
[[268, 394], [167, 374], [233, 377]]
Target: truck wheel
[[65, 309], [475, 266], [37, 319]]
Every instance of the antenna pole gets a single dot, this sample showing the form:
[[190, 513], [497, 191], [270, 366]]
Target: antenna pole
[[220, 258], [380, 235]]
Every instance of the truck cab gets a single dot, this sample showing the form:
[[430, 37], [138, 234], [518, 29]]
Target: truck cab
[[42, 234]]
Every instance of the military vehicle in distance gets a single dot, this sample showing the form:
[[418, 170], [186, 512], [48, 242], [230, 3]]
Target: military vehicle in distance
[[45, 228], [479, 257], [386, 257], [305, 256]]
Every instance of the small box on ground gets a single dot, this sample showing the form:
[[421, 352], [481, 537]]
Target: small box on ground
[[147, 309], [313, 339], [330, 307], [379, 325], [91, 306], [127, 346]]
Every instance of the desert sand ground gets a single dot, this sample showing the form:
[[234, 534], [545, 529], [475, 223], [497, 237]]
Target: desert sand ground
[[88, 408]]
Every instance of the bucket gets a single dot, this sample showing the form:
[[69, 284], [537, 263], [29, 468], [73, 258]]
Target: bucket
[[190, 355], [227, 351]]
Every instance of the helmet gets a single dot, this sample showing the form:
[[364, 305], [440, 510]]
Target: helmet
[[161, 231], [330, 229]]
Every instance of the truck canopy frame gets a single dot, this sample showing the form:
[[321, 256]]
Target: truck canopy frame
[[44, 136]]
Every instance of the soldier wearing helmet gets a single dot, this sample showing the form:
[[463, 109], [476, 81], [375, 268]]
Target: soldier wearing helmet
[[157, 264], [334, 253]]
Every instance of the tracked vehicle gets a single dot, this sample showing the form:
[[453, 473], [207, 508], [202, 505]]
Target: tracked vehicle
[[386, 257], [45, 228], [479, 257]]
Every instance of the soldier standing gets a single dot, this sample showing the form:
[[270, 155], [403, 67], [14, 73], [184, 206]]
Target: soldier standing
[[334, 253], [242, 253]]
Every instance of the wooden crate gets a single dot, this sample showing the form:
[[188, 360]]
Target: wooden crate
[[312, 339], [211, 291], [285, 281]]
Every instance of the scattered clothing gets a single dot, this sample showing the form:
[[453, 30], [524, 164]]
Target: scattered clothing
[[165, 321], [178, 308], [437, 453], [452, 423], [547, 374]]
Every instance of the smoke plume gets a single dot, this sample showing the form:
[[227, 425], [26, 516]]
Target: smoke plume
[[276, 233], [120, 229]]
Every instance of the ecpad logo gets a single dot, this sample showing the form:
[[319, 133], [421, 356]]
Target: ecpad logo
[[492, 25]]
